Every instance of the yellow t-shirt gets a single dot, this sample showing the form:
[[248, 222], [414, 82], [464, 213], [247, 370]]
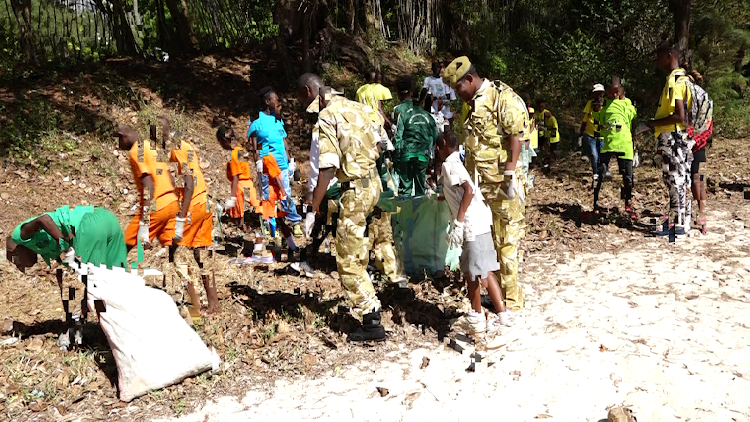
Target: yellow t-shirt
[[553, 134], [675, 89], [370, 94], [540, 123], [588, 118], [534, 136]]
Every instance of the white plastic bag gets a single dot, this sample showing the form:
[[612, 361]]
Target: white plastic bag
[[152, 345]]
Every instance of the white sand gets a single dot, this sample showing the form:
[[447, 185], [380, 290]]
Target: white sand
[[673, 320]]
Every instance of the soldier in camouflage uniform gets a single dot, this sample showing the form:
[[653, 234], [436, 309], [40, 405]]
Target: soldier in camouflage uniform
[[348, 151], [494, 129], [380, 239], [380, 231]]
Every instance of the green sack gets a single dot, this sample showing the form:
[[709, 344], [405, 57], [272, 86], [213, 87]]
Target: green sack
[[420, 228]]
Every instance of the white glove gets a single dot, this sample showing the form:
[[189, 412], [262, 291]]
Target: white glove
[[580, 141], [513, 188], [70, 258], [456, 235], [292, 166], [309, 223], [230, 203], [179, 228], [259, 166], [636, 160], [143, 233]]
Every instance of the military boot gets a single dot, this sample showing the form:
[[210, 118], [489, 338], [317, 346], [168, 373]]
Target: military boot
[[370, 330]]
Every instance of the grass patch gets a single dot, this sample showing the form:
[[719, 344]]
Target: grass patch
[[732, 119]]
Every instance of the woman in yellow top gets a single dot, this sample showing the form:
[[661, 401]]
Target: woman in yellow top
[[589, 137]]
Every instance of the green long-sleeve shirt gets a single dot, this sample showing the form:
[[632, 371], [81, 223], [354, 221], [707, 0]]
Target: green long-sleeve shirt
[[416, 132]]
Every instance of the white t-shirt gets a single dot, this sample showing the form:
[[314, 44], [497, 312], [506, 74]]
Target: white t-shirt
[[439, 90], [312, 180], [478, 217]]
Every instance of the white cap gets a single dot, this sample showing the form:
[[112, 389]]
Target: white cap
[[598, 88]]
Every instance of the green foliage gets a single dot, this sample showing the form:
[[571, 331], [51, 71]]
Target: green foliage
[[731, 118], [342, 79]]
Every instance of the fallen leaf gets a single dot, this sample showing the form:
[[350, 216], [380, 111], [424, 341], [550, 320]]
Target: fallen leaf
[[309, 360], [35, 345], [410, 398], [60, 408], [603, 348], [38, 406], [62, 381], [425, 362], [383, 391], [542, 416]]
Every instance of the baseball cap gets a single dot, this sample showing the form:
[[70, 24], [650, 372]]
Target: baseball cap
[[598, 88]]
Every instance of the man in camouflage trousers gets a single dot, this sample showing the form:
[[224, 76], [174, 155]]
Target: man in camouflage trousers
[[380, 230], [348, 151], [496, 126]]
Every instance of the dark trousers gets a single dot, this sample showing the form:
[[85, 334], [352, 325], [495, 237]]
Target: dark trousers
[[626, 170], [412, 174]]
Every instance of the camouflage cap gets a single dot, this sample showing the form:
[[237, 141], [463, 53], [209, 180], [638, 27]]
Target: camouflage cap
[[456, 70]]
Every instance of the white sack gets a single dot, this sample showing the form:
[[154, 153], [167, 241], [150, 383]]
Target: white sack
[[152, 345]]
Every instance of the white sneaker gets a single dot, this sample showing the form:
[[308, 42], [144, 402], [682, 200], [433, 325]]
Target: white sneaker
[[499, 323], [471, 324], [303, 268]]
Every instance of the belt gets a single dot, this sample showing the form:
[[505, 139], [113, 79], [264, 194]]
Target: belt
[[363, 182]]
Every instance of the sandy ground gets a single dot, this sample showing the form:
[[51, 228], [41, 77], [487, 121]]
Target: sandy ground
[[662, 328]]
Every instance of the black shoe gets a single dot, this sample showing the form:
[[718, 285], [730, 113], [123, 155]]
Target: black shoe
[[370, 330]]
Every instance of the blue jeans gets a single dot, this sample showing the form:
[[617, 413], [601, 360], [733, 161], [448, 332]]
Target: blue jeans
[[288, 206], [595, 148]]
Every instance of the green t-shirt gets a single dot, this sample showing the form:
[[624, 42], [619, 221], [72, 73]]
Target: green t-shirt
[[43, 243], [618, 117], [416, 131]]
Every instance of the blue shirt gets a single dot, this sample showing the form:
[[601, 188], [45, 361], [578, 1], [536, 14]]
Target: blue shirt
[[270, 133]]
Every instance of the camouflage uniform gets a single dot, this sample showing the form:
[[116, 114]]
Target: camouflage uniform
[[380, 230], [499, 113], [348, 144]]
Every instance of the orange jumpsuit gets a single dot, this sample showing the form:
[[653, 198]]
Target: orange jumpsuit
[[167, 206], [198, 232]]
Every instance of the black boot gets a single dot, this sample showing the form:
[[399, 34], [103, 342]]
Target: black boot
[[370, 330]]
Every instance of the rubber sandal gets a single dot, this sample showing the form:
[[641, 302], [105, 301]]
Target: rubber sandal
[[703, 225]]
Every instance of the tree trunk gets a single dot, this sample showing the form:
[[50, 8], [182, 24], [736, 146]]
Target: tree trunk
[[373, 20], [351, 16], [179, 11], [161, 26], [681, 14], [306, 16], [124, 37], [283, 15], [22, 10]]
